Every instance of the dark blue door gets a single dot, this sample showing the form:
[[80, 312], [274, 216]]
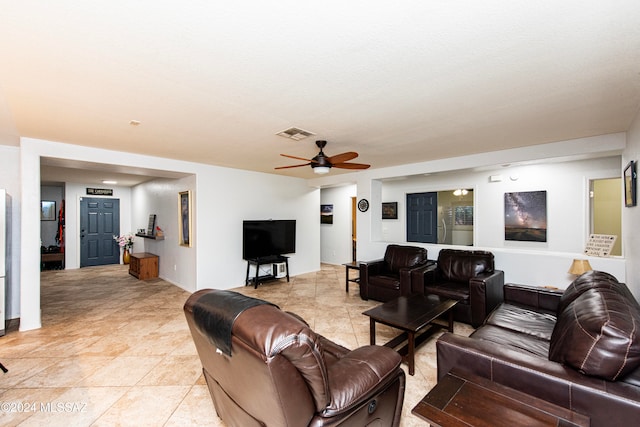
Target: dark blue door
[[99, 222], [422, 217]]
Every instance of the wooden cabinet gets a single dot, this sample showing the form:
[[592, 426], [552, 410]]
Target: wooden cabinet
[[144, 265]]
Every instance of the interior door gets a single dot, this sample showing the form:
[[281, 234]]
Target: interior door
[[422, 217], [99, 222]]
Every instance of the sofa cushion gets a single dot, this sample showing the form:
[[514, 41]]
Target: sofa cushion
[[523, 320], [398, 256], [506, 338], [451, 290], [460, 265], [598, 333], [586, 281], [385, 282]]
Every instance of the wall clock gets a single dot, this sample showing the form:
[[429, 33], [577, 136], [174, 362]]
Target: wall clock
[[363, 205]]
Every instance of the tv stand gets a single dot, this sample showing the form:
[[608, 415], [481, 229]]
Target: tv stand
[[273, 259]]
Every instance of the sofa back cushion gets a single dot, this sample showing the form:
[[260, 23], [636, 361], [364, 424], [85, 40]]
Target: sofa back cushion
[[459, 265], [598, 333], [272, 332], [588, 280], [399, 256]]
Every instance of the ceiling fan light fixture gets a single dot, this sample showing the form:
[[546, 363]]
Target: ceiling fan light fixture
[[320, 170]]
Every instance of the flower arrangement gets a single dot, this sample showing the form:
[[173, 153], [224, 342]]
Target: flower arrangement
[[125, 240]]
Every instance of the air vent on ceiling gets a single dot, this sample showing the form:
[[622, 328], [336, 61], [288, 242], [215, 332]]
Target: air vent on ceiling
[[295, 133]]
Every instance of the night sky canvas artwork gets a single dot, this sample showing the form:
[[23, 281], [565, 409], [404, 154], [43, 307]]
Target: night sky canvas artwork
[[525, 216]]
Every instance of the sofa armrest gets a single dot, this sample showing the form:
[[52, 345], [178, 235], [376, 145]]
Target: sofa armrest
[[535, 297], [360, 374], [605, 402], [485, 293], [418, 276], [368, 268]]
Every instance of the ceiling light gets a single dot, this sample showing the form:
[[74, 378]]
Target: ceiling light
[[460, 192], [321, 170], [109, 182]]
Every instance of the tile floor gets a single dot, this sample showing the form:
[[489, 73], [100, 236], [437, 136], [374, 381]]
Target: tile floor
[[117, 351]]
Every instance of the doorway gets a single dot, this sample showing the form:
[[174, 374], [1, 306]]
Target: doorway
[[99, 222], [353, 230], [606, 209]]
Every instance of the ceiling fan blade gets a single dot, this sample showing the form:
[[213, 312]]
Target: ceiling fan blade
[[344, 157], [294, 166], [351, 166], [297, 158]]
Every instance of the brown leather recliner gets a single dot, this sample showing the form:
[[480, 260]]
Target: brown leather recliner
[[266, 367], [467, 276], [390, 277]]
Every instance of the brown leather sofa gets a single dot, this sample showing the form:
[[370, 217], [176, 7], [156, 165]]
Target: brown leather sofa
[[467, 276], [579, 349], [390, 277], [266, 367]]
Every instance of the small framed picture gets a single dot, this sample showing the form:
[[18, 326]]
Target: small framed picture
[[390, 210], [47, 210], [630, 184], [184, 228]]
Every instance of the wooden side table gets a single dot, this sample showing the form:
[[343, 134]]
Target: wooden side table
[[351, 266], [143, 265], [469, 400]]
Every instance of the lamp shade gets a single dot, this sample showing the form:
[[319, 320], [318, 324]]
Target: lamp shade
[[321, 169], [580, 266]]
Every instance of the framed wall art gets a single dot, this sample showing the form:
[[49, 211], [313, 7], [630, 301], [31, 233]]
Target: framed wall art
[[47, 210], [629, 178], [184, 228], [326, 214], [525, 216], [390, 210]]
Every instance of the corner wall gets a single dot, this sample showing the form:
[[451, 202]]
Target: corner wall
[[631, 215], [222, 198]]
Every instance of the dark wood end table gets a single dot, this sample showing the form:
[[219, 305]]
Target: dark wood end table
[[473, 401], [351, 266], [413, 314]]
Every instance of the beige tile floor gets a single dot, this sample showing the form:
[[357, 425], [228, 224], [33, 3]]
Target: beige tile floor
[[113, 350]]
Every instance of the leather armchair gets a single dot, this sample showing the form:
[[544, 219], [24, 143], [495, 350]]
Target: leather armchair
[[390, 277], [266, 367], [467, 276]]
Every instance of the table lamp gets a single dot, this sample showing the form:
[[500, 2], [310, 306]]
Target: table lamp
[[579, 266]]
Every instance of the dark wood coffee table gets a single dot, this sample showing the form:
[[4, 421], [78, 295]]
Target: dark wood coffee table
[[473, 401], [413, 314]]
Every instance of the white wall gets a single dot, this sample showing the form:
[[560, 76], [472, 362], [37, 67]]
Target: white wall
[[160, 197], [567, 190], [336, 247], [10, 181], [631, 215], [523, 262], [222, 198]]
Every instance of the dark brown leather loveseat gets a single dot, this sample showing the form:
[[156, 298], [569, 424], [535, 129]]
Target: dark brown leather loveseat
[[266, 367], [579, 349], [467, 276], [390, 277]]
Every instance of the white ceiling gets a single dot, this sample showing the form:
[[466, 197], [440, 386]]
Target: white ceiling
[[398, 82]]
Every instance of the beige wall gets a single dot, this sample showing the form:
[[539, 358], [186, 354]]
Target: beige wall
[[607, 210]]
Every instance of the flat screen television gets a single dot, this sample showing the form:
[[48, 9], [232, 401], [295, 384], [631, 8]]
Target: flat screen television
[[266, 238]]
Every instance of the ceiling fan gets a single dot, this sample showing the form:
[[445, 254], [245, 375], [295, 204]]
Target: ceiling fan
[[322, 163]]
